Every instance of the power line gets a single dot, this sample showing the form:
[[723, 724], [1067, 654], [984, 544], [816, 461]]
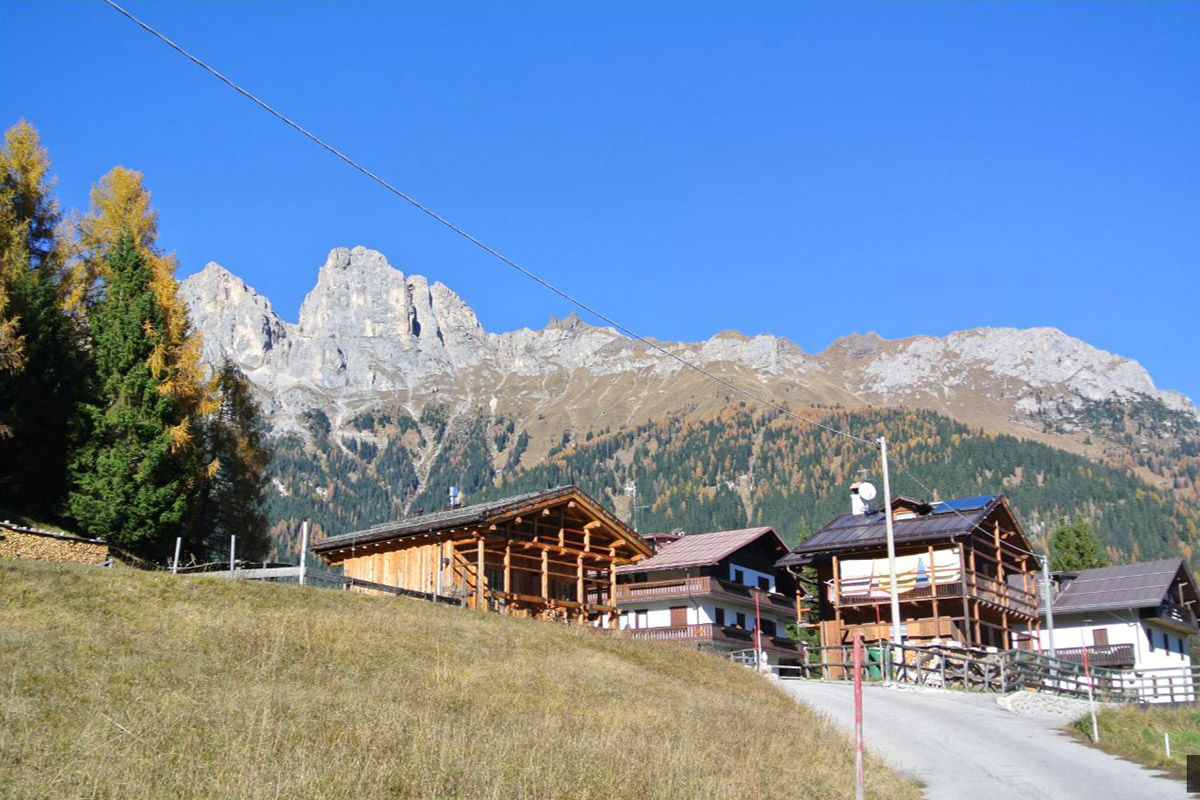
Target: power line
[[465, 235]]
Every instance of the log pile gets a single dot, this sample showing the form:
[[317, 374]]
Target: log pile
[[37, 545]]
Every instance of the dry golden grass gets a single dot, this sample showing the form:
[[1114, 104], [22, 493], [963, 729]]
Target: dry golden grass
[[119, 684]]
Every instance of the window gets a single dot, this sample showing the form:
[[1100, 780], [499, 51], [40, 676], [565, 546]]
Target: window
[[768, 627], [764, 584], [640, 618], [1166, 642], [741, 620], [1150, 639], [739, 576], [1100, 637], [719, 616]]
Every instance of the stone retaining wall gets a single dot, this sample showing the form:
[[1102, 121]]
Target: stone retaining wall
[[17, 542]]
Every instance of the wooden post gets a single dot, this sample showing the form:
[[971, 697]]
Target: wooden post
[[975, 588], [545, 574], [966, 613], [507, 568], [579, 596], [837, 596], [479, 575], [612, 593], [937, 619]]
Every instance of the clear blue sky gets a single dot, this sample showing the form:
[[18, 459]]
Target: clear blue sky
[[802, 169]]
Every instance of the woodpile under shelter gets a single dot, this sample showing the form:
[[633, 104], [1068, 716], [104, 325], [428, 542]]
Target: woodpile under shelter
[[964, 568], [549, 555], [18, 541]]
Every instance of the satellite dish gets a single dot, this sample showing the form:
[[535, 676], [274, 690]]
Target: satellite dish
[[866, 491]]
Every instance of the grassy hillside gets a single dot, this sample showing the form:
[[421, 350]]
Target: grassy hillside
[[120, 684], [1137, 733], [742, 466]]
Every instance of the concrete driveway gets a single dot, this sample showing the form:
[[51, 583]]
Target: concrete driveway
[[964, 746]]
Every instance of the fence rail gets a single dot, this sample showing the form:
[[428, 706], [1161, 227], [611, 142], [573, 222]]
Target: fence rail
[[976, 670]]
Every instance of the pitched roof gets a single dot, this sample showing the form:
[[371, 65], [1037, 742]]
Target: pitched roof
[[475, 514], [1124, 586], [943, 520], [699, 550]]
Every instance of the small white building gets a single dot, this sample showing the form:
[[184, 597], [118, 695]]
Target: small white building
[[719, 591], [1138, 618]]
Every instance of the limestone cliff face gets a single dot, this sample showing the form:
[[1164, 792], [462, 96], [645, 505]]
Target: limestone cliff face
[[368, 332]]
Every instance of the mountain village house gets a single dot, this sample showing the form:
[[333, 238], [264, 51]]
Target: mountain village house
[[964, 573], [720, 591], [1138, 617], [549, 555]]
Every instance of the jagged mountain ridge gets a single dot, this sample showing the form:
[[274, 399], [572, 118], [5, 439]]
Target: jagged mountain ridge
[[388, 389], [367, 331]]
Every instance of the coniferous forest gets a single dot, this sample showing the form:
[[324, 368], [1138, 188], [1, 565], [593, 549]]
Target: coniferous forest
[[110, 425]]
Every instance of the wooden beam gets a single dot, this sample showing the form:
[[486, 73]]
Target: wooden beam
[[579, 578], [508, 567], [545, 575]]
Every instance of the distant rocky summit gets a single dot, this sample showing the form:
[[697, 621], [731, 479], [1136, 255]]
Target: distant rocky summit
[[368, 331]]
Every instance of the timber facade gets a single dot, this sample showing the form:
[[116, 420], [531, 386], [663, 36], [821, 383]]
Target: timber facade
[[549, 555], [965, 574]]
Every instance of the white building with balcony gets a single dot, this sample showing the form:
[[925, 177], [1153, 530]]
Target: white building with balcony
[[715, 590], [1138, 618]]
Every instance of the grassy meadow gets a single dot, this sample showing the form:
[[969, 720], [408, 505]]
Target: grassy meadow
[[124, 684], [1137, 734]]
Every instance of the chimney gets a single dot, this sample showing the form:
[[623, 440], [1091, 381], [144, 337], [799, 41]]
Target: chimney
[[861, 493], [455, 499]]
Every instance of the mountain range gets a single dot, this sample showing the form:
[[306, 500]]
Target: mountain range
[[389, 368]]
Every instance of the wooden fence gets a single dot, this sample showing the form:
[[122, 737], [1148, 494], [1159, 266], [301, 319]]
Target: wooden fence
[[976, 670]]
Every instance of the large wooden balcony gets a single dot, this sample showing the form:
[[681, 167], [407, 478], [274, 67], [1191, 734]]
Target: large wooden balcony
[[978, 587], [724, 636], [715, 588]]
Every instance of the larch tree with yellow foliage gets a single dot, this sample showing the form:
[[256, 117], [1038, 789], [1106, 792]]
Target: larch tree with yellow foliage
[[121, 216]]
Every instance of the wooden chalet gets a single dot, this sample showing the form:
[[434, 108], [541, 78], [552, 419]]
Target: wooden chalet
[[549, 555], [964, 574]]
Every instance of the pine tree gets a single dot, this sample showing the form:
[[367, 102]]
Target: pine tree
[[37, 403], [233, 500], [130, 485], [1074, 546]]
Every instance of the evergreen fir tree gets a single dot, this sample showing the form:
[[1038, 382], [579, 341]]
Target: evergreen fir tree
[[129, 484], [37, 403], [1074, 546], [233, 500]]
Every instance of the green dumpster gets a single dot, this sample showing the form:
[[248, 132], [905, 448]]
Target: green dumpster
[[875, 656]]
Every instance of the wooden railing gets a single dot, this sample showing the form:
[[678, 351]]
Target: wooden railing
[[1100, 655], [1002, 672], [979, 587], [705, 585], [719, 634], [1174, 613]]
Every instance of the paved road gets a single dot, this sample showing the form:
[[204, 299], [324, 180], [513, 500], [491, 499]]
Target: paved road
[[964, 746]]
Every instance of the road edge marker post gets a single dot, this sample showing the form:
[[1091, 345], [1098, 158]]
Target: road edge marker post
[[860, 791]]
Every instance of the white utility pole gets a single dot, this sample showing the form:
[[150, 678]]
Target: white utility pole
[[175, 563], [232, 562], [891, 544], [1048, 592], [303, 549]]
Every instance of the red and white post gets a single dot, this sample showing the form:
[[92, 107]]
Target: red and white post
[[860, 791], [1087, 674]]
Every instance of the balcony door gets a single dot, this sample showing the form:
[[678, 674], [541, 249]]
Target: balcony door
[[679, 616]]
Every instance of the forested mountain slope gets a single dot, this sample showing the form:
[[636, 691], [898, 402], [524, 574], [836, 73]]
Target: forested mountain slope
[[742, 466]]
